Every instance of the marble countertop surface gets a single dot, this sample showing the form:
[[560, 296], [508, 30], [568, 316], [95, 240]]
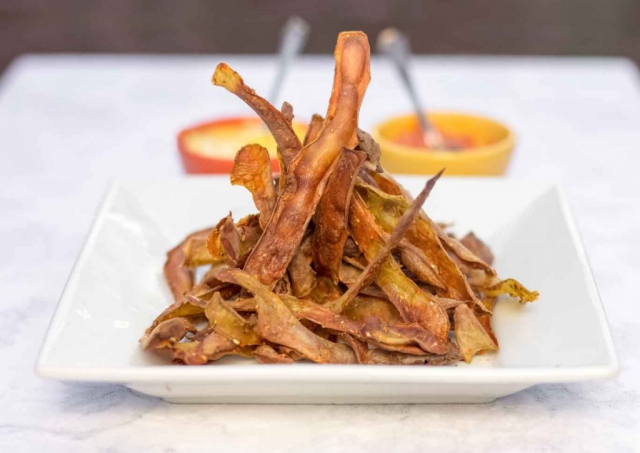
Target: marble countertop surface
[[70, 124]]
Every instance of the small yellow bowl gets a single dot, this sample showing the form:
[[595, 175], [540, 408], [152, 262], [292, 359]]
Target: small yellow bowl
[[495, 143]]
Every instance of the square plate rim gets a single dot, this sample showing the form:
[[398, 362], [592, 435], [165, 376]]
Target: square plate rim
[[328, 373]]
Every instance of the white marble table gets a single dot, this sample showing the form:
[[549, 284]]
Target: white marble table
[[71, 124]]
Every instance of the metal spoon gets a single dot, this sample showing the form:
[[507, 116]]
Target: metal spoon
[[395, 45], [293, 37]]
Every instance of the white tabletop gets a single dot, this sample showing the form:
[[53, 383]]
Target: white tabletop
[[71, 124]]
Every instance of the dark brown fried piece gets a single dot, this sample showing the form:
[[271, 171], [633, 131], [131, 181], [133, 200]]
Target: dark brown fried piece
[[232, 243], [332, 214], [414, 305], [475, 245], [252, 170], [315, 126], [281, 129], [179, 277], [367, 144], [461, 251], [371, 271], [278, 325], [287, 112], [211, 348], [308, 173]]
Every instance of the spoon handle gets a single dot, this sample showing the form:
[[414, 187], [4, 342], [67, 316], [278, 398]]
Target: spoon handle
[[293, 38], [395, 45]]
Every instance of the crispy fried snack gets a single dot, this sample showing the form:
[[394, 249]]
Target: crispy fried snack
[[340, 265], [309, 171]]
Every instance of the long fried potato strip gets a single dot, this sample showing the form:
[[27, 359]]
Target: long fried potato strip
[[416, 261], [371, 271], [252, 170], [332, 214], [514, 288], [415, 305], [311, 167], [278, 325], [176, 270], [302, 275], [470, 335], [281, 129], [315, 126]]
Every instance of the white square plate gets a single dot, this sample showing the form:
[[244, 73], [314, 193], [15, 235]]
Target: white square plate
[[116, 289]]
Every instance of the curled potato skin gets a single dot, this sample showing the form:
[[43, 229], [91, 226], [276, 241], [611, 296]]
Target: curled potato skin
[[309, 170], [279, 126], [332, 214]]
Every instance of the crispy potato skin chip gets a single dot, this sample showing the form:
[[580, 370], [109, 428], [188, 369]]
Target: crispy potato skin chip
[[179, 277], [414, 305], [475, 245], [166, 333], [266, 354], [225, 321], [281, 129], [514, 288], [315, 125], [470, 335], [252, 170], [278, 325], [332, 214], [195, 249], [309, 170], [302, 275], [231, 243]]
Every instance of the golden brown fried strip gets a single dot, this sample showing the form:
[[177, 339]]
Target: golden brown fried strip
[[232, 243], [179, 277], [363, 307], [211, 348], [371, 271], [252, 170], [388, 184], [166, 333], [266, 354], [184, 308], [402, 337], [514, 288], [303, 277], [195, 249], [225, 321], [475, 245], [415, 260], [332, 213], [470, 335], [281, 129], [278, 325], [315, 125], [414, 305], [309, 170], [387, 210]]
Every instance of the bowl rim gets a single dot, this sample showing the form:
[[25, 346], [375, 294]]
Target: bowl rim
[[501, 146]]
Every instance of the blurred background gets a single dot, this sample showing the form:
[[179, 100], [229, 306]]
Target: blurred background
[[537, 27]]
